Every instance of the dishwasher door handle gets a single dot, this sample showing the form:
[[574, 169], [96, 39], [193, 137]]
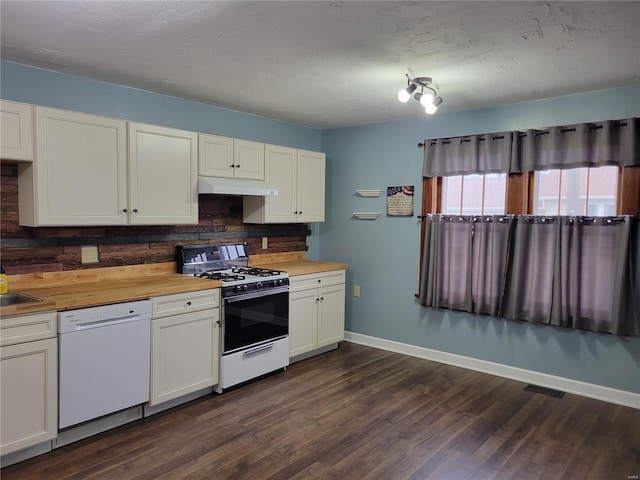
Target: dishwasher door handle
[[106, 323]]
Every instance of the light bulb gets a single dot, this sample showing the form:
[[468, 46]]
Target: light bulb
[[426, 99], [430, 109], [405, 94]]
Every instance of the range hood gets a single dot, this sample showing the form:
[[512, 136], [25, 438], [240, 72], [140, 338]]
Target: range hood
[[232, 186]]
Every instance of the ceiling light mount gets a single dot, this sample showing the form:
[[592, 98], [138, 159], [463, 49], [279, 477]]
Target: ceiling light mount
[[427, 96]]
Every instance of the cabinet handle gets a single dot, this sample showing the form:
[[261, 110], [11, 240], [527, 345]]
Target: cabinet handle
[[124, 210], [135, 210], [189, 303]]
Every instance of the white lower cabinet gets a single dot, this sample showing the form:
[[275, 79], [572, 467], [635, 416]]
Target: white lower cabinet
[[184, 346], [28, 383], [316, 311]]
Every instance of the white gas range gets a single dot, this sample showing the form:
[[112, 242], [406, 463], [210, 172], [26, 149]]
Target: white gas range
[[255, 310]]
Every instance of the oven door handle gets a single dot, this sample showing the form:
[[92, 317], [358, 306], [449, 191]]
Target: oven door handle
[[266, 346], [261, 293]]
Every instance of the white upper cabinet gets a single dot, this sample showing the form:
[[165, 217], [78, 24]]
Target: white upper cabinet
[[230, 158], [163, 175], [80, 173], [16, 127], [310, 186], [299, 176]]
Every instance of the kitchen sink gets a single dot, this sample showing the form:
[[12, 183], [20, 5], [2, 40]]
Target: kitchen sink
[[15, 298]]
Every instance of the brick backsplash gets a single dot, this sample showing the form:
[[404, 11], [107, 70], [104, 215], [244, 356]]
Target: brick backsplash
[[46, 249]]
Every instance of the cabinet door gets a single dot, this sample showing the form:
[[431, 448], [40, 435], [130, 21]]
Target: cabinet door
[[80, 176], [280, 163], [248, 158], [303, 321], [16, 128], [163, 176], [28, 394], [184, 354], [215, 157], [310, 186], [331, 314]]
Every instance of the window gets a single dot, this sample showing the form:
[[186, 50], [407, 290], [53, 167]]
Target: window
[[474, 194], [551, 257], [576, 191]]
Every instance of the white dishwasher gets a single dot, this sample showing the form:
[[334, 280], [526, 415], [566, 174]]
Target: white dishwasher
[[104, 360]]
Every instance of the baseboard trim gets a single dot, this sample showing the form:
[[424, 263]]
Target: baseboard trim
[[598, 392]]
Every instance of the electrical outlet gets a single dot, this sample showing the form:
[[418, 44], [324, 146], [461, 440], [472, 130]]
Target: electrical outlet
[[265, 243], [356, 290], [89, 254]]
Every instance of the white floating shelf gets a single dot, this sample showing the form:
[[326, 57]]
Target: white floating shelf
[[366, 216], [369, 193]]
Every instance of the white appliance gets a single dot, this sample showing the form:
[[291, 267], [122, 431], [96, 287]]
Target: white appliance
[[255, 310], [104, 360]]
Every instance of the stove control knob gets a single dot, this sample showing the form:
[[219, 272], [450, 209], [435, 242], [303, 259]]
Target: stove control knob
[[280, 282], [245, 288], [274, 283], [237, 288], [259, 285]]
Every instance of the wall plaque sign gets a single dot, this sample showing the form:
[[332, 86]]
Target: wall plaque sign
[[400, 201]]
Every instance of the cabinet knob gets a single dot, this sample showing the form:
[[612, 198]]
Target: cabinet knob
[[238, 165], [124, 210], [189, 303], [319, 280], [321, 299], [135, 210]]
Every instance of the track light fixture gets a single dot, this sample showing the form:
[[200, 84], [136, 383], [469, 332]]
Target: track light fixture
[[427, 96]]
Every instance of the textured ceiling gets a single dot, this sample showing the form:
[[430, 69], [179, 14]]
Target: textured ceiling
[[332, 64]]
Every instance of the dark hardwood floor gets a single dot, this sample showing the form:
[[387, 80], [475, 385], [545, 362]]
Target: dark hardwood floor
[[356, 413]]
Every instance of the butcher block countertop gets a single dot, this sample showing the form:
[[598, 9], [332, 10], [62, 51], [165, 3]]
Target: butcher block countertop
[[294, 263], [100, 286]]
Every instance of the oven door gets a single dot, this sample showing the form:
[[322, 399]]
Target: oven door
[[254, 318]]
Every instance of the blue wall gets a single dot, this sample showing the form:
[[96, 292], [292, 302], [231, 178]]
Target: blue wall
[[27, 84], [383, 255]]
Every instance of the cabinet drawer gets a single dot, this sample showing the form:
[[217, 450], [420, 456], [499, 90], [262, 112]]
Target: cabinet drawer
[[185, 302], [28, 327], [311, 280]]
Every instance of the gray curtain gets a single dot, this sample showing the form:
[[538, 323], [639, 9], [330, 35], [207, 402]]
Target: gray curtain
[[488, 153], [575, 272], [612, 142], [584, 145], [490, 254], [594, 275], [529, 279], [464, 261], [567, 271], [447, 260]]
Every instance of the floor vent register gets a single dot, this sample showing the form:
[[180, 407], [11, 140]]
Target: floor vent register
[[547, 391]]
